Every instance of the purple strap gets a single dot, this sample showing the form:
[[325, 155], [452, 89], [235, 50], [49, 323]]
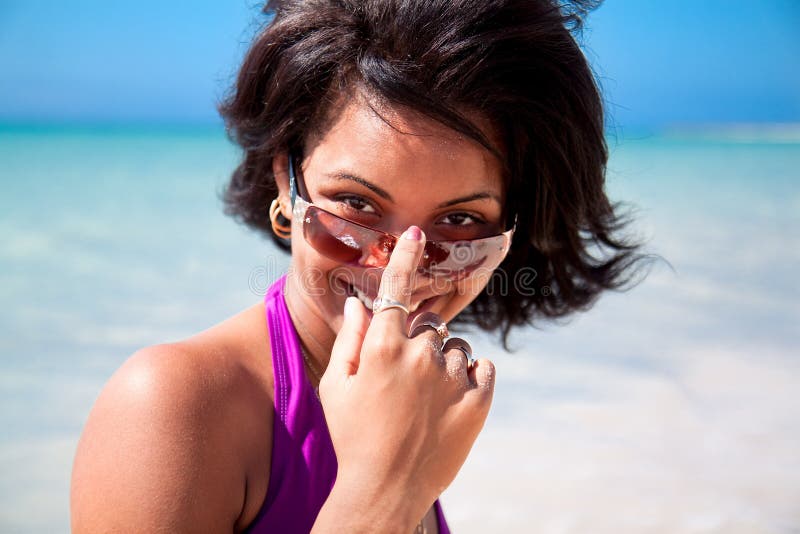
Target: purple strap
[[303, 467]]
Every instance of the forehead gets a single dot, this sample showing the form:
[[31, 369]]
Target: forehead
[[402, 151]]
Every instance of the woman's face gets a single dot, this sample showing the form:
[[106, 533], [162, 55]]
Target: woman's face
[[390, 173]]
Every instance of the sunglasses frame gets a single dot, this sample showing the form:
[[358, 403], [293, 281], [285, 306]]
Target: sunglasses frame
[[300, 206]]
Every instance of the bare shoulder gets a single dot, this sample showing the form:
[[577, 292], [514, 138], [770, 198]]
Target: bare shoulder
[[180, 437]]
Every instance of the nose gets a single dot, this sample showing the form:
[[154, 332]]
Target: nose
[[377, 252]]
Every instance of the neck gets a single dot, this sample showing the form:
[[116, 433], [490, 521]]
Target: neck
[[315, 335]]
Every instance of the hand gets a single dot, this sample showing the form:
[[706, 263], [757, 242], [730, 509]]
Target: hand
[[402, 415]]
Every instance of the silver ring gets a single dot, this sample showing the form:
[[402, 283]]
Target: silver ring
[[463, 346], [430, 320], [383, 303]]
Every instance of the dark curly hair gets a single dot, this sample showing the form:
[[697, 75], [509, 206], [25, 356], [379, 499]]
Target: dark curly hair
[[513, 62]]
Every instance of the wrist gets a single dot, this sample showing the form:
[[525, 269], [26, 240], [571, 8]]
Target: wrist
[[355, 508]]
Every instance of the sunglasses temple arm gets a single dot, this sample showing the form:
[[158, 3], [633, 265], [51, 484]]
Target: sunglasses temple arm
[[292, 180]]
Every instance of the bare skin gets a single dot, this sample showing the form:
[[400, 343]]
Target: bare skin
[[180, 438], [172, 395]]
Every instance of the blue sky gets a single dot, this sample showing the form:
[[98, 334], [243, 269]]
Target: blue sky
[[659, 62]]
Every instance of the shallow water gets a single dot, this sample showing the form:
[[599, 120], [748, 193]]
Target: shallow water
[[669, 408]]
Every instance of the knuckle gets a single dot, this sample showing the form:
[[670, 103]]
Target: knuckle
[[425, 354], [384, 332], [422, 364], [381, 346], [488, 368], [394, 279], [456, 361], [429, 340], [484, 377]]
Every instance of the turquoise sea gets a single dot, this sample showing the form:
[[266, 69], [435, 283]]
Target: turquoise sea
[[669, 408]]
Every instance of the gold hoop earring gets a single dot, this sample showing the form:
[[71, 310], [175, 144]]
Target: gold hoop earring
[[281, 230]]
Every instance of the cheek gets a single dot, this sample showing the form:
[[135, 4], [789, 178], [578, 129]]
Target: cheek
[[306, 258], [312, 272], [471, 287], [464, 292]]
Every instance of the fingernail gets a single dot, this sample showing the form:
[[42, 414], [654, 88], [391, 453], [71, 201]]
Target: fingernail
[[413, 233]]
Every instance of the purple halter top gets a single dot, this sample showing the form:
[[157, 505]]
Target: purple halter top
[[303, 466]]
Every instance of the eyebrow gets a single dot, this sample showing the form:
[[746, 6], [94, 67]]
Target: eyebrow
[[481, 195], [372, 187]]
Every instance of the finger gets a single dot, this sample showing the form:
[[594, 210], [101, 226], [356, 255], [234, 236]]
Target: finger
[[346, 353], [482, 376], [428, 344], [456, 365], [458, 354], [397, 281]]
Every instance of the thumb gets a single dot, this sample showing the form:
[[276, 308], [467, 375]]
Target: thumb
[[346, 353]]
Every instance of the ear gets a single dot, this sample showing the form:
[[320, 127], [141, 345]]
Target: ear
[[280, 169]]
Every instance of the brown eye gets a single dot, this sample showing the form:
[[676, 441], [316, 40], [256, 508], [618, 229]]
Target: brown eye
[[461, 219], [356, 204], [463, 225]]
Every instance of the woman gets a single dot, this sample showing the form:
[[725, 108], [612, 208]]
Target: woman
[[426, 162]]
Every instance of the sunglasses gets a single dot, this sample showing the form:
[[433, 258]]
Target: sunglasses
[[354, 244]]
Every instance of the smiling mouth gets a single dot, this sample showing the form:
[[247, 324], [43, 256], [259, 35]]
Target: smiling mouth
[[367, 300]]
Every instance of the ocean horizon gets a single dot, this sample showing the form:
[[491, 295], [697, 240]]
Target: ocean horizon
[[670, 407]]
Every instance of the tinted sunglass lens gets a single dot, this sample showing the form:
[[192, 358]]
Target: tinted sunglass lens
[[379, 247], [353, 244], [434, 254], [319, 235]]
